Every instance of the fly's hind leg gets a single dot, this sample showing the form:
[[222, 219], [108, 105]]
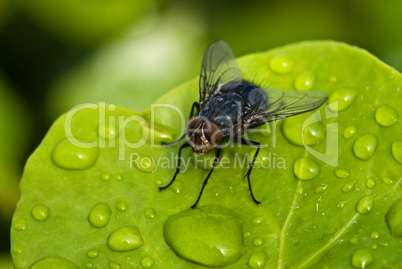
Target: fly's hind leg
[[254, 144]]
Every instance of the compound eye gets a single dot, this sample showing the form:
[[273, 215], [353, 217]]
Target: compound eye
[[212, 132], [193, 125]]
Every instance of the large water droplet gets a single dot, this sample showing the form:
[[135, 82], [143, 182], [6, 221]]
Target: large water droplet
[[305, 168], [147, 262], [386, 116], [342, 173], [93, 254], [99, 215], [362, 258], [281, 64], [40, 212], [349, 132], [348, 186], [54, 262], [312, 134], [257, 260], [397, 151], [150, 213], [365, 146], [20, 225], [208, 235], [394, 219], [365, 205], [305, 81], [125, 239], [68, 156], [345, 98]]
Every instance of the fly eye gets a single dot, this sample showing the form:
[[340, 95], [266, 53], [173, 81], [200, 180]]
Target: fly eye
[[212, 132], [193, 125]]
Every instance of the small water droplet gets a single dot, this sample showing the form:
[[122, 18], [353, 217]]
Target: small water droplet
[[118, 177], [20, 225], [68, 156], [365, 205], [362, 258], [387, 180], [348, 186], [177, 186], [365, 146], [40, 212], [384, 244], [106, 176], [144, 164], [99, 215], [281, 64], [114, 265], [257, 260], [305, 168], [349, 132], [354, 240], [125, 239], [92, 254], [394, 219], [386, 116], [341, 204], [312, 134], [246, 234], [158, 182], [370, 183], [375, 235], [374, 246], [332, 79], [397, 151], [89, 265], [54, 262], [121, 206], [299, 189], [305, 81], [258, 220], [147, 262], [258, 241], [320, 189], [150, 213], [345, 98], [18, 249], [342, 173], [108, 131]]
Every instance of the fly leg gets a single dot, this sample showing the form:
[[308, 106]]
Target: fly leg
[[255, 144], [185, 145], [197, 107], [218, 155]]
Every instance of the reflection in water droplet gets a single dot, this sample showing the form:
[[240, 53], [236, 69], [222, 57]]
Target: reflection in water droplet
[[258, 241], [394, 219], [397, 151], [305, 168], [342, 173], [149, 213], [375, 235], [121, 206], [348, 186], [370, 183], [118, 177], [354, 240], [68, 156], [281, 64], [125, 239], [365, 146], [386, 116], [362, 258], [365, 205], [345, 98], [106, 176], [312, 134], [305, 81], [147, 262], [108, 131], [40, 212], [99, 215], [114, 265], [92, 254], [257, 260], [349, 132], [54, 262], [320, 189], [341, 204], [20, 225]]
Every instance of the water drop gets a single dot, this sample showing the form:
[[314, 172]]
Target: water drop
[[99, 215], [349, 132], [365, 205], [345, 98], [397, 151], [386, 116], [257, 260], [362, 258], [149, 213], [118, 177], [305, 81], [89, 265], [365, 146], [370, 183], [342, 173], [40, 212], [177, 186], [125, 239], [18, 249], [281, 64], [54, 262], [348, 186], [312, 134], [121, 206], [108, 131], [106, 176], [341, 204], [114, 265], [20, 225], [374, 246], [394, 219], [354, 240], [299, 189], [158, 182], [145, 164], [387, 180], [375, 235], [258, 220], [258, 241], [68, 156], [305, 168], [208, 235], [320, 189], [93, 254], [147, 262]]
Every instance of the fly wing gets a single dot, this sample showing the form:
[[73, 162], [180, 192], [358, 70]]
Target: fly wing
[[219, 67], [283, 104]]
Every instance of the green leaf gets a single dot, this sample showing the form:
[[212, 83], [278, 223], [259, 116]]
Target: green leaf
[[334, 203]]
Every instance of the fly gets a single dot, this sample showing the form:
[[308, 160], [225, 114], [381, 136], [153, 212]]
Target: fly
[[229, 106]]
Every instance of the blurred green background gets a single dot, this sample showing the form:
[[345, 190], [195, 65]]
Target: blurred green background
[[57, 54]]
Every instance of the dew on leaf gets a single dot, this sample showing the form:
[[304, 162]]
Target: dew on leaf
[[341, 204], [20, 225], [17, 249], [365, 146], [99, 215], [397, 151], [345, 98], [349, 132], [342, 173], [354, 240], [320, 189], [258, 220], [374, 246], [300, 135], [144, 164], [305, 81], [370, 183], [40, 212], [118, 177], [121, 206], [386, 116], [150, 213], [125, 239], [93, 254], [299, 189], [114, 265], [257, 260], [281, 64], [258, 241], [54, 262], [348, 186], [89, 265], [68, 156], [158, 182], [394, 219], [177, 186], [108, 131], [362, 258], [365, 205], [106, 176], [387, 180], [306, 168], [147, 262], [375, 234]]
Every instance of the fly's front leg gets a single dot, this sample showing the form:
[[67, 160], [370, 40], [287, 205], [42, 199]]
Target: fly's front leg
[[185, 145], [254, 144], [194, 106]]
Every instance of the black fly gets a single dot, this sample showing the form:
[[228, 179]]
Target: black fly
[[229, 105]]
